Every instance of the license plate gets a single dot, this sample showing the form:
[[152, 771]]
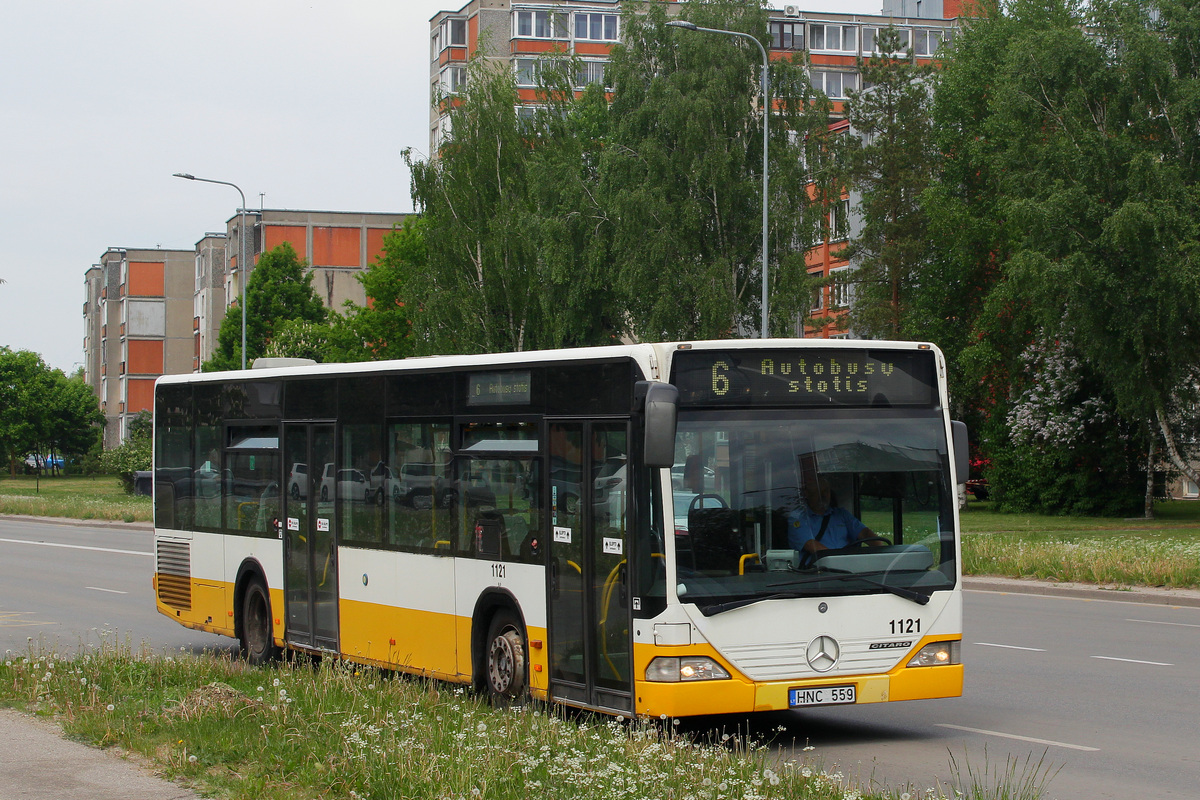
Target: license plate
[[821, 696]]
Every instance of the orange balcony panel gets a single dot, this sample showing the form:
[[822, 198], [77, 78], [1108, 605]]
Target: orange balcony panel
[[139, 395], [592, 49], [538, 46], [195, 324], [146, 356], [104, 293], [275, 235], [336, 247], [146, 279], [820, 59], [375, 243]]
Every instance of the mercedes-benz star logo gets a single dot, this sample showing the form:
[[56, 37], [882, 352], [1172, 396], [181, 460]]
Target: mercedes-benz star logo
[[822, 653]]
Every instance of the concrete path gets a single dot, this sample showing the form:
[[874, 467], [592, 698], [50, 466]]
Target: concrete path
[[37, 762]]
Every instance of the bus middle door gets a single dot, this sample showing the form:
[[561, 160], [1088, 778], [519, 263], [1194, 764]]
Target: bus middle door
[[310, 547], [589, 618]]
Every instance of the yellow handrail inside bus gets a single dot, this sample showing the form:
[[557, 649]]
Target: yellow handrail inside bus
[[742, 562], [610, 583]]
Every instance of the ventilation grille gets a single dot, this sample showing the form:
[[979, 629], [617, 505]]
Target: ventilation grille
[[175, 574]]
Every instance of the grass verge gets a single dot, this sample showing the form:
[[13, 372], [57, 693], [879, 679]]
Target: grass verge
[[338, 731], [1160, 552], [74, 498], [334, 730]]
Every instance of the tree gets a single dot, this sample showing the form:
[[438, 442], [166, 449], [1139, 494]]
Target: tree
[[680, 173], [1076, 158], [890, 162], [42, 411], [278, 290], [509, 257], [135, 454]]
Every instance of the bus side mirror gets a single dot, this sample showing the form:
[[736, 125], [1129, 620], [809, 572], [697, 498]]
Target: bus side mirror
[[661, 402], [962, 456]]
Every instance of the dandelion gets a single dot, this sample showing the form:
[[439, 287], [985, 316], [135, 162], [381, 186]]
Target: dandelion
[[83, 681], [111, 707], [275, 682], [191, 759]]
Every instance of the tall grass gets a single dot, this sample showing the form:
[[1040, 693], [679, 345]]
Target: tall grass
[[99, 498], [338, 731], [1131, 559]]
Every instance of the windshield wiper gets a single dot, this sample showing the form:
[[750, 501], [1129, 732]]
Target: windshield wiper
[[717, 608], [840, 575]]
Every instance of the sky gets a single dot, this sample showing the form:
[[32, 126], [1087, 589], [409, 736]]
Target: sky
[[308, 103]]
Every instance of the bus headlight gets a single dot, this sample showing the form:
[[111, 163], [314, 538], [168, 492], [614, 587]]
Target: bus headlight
[[937, 654], [673, 670]]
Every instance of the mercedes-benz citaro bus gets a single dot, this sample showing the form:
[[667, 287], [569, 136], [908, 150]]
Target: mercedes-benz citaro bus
[[628, 529]]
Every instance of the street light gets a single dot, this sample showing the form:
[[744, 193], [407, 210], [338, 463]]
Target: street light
[[766, 93], [241, 248]]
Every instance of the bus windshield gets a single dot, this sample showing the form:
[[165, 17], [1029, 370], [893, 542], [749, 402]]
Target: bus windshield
[[751, 487]]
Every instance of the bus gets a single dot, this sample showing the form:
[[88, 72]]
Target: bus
[[608, 528]]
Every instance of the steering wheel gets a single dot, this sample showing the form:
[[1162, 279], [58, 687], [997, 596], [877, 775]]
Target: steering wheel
[[700, 497], [867, 539]]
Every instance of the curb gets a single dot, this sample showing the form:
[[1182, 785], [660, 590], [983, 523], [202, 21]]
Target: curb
[[80, 523], [1189, 598]]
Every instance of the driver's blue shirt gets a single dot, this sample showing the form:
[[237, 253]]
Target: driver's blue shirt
[[841, 531]]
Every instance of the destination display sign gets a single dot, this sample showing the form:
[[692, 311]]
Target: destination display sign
[[808, 377], [499, 389]]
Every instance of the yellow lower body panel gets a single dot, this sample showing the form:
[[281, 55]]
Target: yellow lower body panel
[[203, 606]]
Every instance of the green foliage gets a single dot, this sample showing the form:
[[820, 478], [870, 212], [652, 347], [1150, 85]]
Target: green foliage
[[43, 411], [633, 214], [135, 454], [1066, 209], [278, 290], [681, 173], [890, 161]]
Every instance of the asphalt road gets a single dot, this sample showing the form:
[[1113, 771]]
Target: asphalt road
[[1103, 695]]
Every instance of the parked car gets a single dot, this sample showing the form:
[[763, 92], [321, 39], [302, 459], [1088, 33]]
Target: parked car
[[352, 484], [298, 482], [419, 485]]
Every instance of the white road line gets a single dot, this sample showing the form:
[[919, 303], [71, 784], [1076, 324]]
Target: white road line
[[1011, 647], [101, 589], [1134, 661], [1160, 622], [1049, 742], [81, 547]]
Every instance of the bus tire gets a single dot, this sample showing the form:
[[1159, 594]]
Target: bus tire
[[504, 658], [257, 636]]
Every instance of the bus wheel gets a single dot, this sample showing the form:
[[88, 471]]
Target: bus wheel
[[257, 642], [505, 658]]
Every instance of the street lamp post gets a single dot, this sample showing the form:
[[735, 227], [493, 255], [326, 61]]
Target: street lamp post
[[241, 249], [766, 93]]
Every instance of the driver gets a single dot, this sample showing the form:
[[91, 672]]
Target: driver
[[818, 525]]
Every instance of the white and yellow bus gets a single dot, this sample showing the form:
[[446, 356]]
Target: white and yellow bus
[[606, 528]]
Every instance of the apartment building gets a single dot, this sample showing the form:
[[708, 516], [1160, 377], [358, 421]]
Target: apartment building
[[513, 34], [137, 327]]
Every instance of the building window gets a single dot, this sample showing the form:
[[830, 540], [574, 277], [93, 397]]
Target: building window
[[590, 72], [542, 24], [1190, 489], [454, 79], [841, 290], [818, 299], [835, 85], [454, 33], [839, 221], [871, 34], [833, 38], [787, 35], [596, 27], [927, 42], [528, 70]]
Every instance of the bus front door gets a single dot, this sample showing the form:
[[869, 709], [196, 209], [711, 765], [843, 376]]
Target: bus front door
[[310, 547], [589, 618]]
